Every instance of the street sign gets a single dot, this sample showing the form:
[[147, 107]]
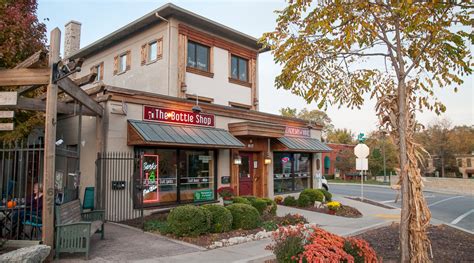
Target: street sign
[[361, 150], [362, 164]]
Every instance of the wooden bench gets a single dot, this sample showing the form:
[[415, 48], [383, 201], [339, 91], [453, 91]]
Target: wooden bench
[[74, 228]]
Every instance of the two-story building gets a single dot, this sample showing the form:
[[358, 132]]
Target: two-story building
[[181, 92]]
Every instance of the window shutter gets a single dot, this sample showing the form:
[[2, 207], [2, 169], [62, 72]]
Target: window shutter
[[129, 59], [116, 64], [144, 54], [101, 70], [159, 48]]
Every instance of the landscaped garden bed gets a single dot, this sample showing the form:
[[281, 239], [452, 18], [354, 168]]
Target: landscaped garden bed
[[448, 244], [318, 200], [245, 219]]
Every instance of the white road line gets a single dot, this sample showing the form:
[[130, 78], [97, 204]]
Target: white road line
[[444, 200], [388, 201], [461, 217]]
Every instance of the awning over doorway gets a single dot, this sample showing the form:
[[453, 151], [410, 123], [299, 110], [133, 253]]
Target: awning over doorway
[[304, 144], [148, 133]]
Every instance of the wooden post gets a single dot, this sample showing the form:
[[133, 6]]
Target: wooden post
[[50, 143]]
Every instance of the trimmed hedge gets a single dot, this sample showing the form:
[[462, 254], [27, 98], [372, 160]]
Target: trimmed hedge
[[290, 201], [327, 195], [189, 220], [221, 218], [260, 205], [304, 201], [244, 216], [313, 194], [241, 200]]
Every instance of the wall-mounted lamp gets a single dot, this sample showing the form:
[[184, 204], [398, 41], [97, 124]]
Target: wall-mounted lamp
[[237, 159], [268, 159]]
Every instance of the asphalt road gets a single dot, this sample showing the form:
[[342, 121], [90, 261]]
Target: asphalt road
[[450, 208]]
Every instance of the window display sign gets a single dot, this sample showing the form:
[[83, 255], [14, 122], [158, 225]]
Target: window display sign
[[177, 116], [149, 174], [297, 132], [203, 195]]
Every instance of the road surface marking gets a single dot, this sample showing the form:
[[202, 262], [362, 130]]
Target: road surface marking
[[388, 201], [461, 217], [444, 200], [388, 216]]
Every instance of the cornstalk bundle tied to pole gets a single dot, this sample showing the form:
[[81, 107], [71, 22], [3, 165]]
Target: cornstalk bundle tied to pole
[[419, 214]]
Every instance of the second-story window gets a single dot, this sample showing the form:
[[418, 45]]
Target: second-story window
[[239, 68], [152, 51], [123, 62], [99, 70], [468, 162], [198, 56]]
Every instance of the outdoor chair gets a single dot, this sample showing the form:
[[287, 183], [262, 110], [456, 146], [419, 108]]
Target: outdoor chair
[[88, 200]]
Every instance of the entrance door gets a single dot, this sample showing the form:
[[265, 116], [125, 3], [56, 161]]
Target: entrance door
[[246, 174]]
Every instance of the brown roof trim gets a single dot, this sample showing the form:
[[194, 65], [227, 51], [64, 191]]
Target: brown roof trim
[[142, 97]]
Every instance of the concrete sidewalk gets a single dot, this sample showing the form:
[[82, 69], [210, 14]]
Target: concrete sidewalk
[[124, 244]]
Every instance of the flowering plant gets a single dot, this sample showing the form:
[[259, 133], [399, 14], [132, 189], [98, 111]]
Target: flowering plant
[[278, 199], [226, 192], [333, 205]]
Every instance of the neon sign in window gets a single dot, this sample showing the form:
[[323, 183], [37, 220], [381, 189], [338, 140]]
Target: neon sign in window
[[149, 175]]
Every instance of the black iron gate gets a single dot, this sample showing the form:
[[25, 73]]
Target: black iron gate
[[115, 185]]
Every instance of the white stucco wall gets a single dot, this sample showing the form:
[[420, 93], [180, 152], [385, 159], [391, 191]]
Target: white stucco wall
[[219, 88]]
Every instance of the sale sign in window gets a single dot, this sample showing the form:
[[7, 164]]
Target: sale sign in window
[[149, 174]]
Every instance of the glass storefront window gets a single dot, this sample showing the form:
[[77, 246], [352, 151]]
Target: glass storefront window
[[292, 171], [196, 171]]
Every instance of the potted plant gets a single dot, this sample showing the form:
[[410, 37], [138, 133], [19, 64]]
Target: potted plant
[[226, 192]]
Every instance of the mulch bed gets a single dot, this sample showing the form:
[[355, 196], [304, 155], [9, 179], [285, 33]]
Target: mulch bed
[[344, 211], [448, 244], [208, 239], [138, 221], [367, 201]]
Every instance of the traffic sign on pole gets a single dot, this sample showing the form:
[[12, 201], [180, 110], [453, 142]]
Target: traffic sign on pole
[[361, 150]]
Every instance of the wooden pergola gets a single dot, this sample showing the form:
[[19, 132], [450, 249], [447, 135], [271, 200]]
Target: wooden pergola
[[30, 75]]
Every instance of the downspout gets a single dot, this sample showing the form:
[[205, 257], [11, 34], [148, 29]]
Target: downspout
[[169, 47]]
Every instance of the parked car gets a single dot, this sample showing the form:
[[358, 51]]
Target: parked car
[[325, 183]]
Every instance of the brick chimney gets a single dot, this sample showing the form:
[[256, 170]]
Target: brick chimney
[[72, 37]]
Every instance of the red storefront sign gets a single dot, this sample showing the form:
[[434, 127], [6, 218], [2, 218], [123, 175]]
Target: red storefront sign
[[177, 116], [297, 132]]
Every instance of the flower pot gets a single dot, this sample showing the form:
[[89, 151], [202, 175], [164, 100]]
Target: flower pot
[[228, 202]]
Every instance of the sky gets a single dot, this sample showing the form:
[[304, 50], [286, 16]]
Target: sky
[[254, 18]]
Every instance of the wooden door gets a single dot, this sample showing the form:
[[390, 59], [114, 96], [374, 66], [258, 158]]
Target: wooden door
[[246, 174]]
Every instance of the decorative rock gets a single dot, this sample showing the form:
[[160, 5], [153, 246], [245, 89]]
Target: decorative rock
[[33, 254]]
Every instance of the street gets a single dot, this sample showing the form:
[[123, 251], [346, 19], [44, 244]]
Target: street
[[450, 208]]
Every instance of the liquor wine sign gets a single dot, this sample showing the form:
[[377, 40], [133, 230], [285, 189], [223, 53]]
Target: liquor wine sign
[[297, 132], [177, 116], [149, 174]]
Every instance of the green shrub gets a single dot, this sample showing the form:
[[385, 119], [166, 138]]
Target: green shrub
[[290, 201], [304, 201], [327, 195], [251, 198], [271, 206], [313, 194], [189, 220], [244, 216], [221, 218], [260, 205], [241, 200], [270, 225]]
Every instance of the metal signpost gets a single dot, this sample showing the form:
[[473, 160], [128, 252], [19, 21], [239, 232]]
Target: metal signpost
[[361, 151]]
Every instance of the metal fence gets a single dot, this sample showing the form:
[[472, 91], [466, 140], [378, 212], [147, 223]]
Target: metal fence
[[115, 185]]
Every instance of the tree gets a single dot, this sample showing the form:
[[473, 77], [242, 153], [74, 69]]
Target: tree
[[345, 161], [336, 52], [21, 35], [379, 145], [314, 116], [344, 136]]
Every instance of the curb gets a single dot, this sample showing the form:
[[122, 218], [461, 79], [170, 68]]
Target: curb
[[161, 236], [357, 184], [367, 228], [381, 205]]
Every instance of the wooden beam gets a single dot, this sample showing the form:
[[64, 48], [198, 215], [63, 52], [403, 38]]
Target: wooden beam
[[40, 105], [7, 114], [50, 144], [89, 78], [68, 86], [8, 98], [25, 89], [33, 61], [24, 76]]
